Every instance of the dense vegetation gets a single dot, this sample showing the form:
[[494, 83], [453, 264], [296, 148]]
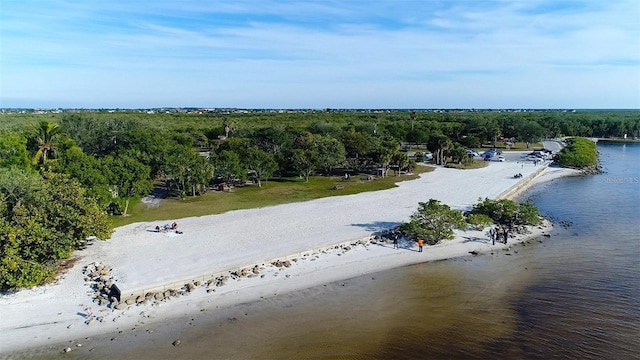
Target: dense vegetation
[[508, 213], [62, 173], [579, 153], [43, 218]]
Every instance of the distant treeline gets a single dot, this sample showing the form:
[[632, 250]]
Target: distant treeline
[[591, 123]]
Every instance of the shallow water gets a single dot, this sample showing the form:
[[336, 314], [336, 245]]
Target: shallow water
[[573, 295]]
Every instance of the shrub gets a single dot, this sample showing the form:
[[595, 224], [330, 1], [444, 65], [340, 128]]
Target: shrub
[[433, 222], [479, 221], [507, 212]]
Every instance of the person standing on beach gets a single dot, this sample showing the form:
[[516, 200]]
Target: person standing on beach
[[395, 241], [420, 243]]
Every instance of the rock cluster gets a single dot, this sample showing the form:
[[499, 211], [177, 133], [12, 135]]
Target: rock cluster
[[157, 297], [592, 169], [385, 237], [98, 277], [246, 272], [280, 263]]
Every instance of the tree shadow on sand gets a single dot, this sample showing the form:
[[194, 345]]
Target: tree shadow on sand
[[404, 243], [468, 239], [379, 227]]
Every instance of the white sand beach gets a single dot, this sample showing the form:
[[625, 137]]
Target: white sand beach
[[142, 261]]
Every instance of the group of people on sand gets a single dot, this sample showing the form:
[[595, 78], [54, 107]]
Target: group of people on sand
[[396, 246], [517, 176], [497, 233], [169, 228]]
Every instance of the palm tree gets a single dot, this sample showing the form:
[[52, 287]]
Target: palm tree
[[229, 127], [47, 134], [444, 144]]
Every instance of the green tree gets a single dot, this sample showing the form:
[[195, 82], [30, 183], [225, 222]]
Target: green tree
[[433, 222], [47, 134], [479, 221], [507, 212], [357, 146], [530, 131], [261, 164], [278, 141], [88, 171], [273, 139], [303, 161], [13, 151], [237, 145], [331, 153], [439, 144], [383, 151], [187, 171], [84, 130], [459, 154], [228, 166], [417, 136], [43, 219], [126, 177], [304, 157], [402, 162]]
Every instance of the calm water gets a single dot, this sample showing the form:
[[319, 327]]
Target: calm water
[[575, 295]]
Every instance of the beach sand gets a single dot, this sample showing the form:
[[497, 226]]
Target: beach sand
[[53, 318]]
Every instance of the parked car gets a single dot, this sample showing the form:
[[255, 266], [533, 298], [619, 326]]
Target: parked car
[[428, 156], [498, 158], [473, 153], [488, 155]]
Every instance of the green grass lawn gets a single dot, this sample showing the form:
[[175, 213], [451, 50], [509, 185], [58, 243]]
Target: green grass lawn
[[273, 192], [475, 164]]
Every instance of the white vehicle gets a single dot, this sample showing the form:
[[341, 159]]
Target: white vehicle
[[473, 153], [499, 158]]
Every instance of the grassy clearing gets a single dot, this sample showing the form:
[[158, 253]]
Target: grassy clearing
[[475, 164], [273, 192]]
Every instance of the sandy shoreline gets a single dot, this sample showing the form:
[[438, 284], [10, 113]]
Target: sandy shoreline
[[54, 314]]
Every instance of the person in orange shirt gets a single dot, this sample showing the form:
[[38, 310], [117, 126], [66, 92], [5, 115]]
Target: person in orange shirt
[[420, 243]]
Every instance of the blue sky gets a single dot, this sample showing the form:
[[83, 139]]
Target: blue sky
[[319, 54]]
